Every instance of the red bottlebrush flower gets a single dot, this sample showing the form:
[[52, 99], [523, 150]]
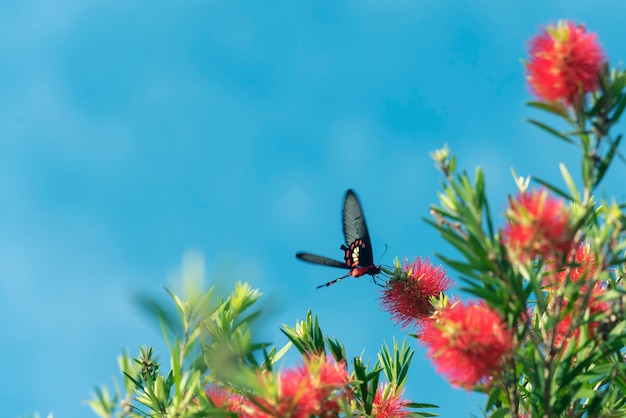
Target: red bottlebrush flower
[[467, 342], [328, 375], [293, 396], [388, 403], [539, 225], [581, 267], [565, 333], [585, 268], [224, 398], [408, 300], [308, 390], [564, 62]]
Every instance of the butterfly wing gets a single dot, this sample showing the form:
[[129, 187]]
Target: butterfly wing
[[354, 228], [324, 261]]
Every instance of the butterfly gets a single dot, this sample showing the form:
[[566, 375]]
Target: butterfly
[[358, 257]]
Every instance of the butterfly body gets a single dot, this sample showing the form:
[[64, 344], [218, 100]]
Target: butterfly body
[[362, 271], [358, 257]]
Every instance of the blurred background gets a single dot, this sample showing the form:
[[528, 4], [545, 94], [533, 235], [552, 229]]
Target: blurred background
[[134, 132]]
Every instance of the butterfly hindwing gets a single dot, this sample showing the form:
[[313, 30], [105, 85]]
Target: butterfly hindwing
[[324, 261], [354, 228]]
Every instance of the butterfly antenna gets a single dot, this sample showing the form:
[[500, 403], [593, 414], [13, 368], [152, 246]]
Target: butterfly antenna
[[384, 252], [332, 282]]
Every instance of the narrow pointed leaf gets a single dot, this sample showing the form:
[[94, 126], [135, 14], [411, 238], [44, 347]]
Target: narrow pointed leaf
[[551, 131]]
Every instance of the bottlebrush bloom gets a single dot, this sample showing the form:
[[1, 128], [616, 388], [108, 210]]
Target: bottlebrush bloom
[[388, 403], [539, 225], [564, 332], [224, 398], [467, 342], [584, 269], [564, 62], [308, 390], [408, 299], [326, 375]]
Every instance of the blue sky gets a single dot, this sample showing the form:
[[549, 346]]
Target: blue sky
[[135, 132]]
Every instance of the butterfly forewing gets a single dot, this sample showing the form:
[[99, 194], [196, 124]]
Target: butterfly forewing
[[324, 261], [354, 228]]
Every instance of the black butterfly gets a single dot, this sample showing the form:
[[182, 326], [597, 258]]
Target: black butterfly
[[357, 249]]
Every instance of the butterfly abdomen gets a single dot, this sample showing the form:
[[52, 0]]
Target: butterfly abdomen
[[362, 271]]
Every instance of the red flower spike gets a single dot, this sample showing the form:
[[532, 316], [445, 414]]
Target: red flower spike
[[224, 398], [308, 390], [580, 266], [388, 403], [585, 268], [539, 225], [564, 63], [563, 326], [408, 301], [467, 342], [328, 375]]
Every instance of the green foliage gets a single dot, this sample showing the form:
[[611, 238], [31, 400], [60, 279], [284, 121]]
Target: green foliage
[[211, 342], [578, 379]]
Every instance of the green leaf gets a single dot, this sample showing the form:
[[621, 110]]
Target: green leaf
[[619, 109], [422, 405], [551, 107], [501, 413], [307, 335], [556, 190], [569, 181], [336, 349], [367, 383], [396, 364], [606, 161], [551, 131]]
